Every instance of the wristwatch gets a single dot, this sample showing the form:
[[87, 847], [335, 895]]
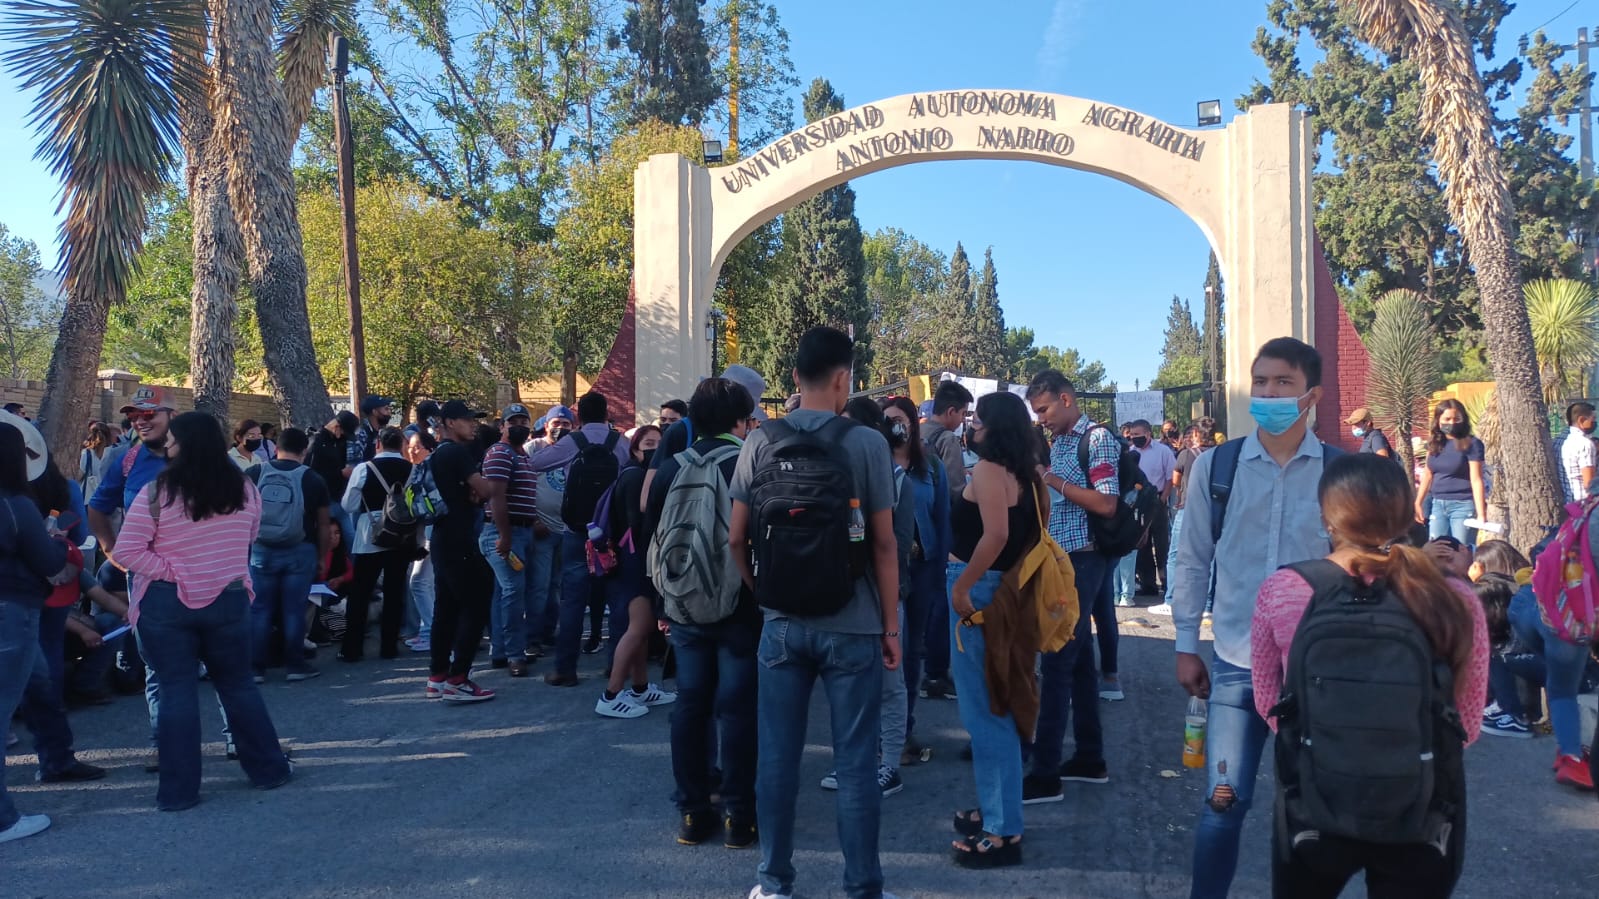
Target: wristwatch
[[894, 634]]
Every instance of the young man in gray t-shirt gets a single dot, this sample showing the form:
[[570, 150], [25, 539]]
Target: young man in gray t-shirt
[[847, 650]]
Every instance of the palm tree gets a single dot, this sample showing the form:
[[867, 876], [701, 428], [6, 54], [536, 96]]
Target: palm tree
[[1565, 329], [109, 75], [1456, 115], [304, 26], [1404, 366], [252, 132]]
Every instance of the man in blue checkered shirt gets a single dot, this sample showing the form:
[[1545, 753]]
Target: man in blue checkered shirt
[[1070, 677]]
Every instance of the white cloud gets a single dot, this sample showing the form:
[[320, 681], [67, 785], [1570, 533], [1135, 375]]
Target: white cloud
[[1059, 35]]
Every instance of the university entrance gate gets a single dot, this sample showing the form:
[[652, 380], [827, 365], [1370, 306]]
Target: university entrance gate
[[1247, 187]]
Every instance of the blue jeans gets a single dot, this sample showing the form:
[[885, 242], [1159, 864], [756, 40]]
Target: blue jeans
[[1070, 678], [1235, 735], [1449, 517], [25, 681], [1563, 662], [996, 747], [1124, 575], [544, 589], [574, 603], [282, 576], [1105, 625], [716, 683], [1171, 554], [174, 640], [792, 657], [508, 612], [926, 600], [419, 611]]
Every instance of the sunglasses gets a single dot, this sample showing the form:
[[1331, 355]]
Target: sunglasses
[[148, 415]]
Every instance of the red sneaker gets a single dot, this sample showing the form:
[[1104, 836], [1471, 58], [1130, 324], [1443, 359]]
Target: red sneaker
[[465, 691], [1574, 772], [435, 688]]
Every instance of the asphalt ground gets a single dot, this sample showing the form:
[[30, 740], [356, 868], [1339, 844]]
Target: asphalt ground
[[533, 795]]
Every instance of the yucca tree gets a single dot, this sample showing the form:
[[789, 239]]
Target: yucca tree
[[1565, 329], [108, 75], [303, 26], [1456, 115], [1404, 367]]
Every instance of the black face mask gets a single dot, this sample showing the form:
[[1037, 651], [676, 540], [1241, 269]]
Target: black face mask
[[897, 433], [384, 420], [517, 435], [1460, 430], [1140, 441], [648, 455], [252, 445]]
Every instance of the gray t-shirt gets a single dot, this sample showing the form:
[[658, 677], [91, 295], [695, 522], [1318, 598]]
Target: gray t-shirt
[[873, 470]]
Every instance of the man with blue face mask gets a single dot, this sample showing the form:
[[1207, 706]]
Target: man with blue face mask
[[1272, 519]]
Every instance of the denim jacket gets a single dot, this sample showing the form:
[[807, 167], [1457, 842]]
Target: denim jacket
[[932, 509]]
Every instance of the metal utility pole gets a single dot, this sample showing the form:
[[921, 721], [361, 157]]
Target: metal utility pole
[[339, 51]]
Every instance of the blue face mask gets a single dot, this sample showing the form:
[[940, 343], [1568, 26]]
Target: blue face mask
[[1275, 414], [1358, 432]]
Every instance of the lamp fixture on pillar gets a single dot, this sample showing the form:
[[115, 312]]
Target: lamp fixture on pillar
[[713, 151], [1209, 113]]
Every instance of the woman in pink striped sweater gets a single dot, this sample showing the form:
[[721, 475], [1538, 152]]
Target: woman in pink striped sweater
[[1366, 503], [186, 546]]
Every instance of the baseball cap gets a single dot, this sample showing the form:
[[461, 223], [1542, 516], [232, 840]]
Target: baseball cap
[[925, 410], [455, 409], [148, 398], [373, 402], [427, 409], [750, 380], [513, 410], [1358, 416], [558, 413]]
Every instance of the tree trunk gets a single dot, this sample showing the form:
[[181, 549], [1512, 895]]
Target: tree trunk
[[218, 250], [73, 378], [569, 373], [252, 129]]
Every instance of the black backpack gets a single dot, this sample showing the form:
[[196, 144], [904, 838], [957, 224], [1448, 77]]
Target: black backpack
[[800, 492], [1128, 530], [593, 471], [1369, 743]]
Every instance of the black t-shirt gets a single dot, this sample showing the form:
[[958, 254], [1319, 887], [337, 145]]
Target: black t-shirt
[[665, 473], [455, 534], [326, 458], [1374, 441], [316, 492]]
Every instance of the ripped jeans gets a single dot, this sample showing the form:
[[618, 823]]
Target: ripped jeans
[[1235, 737]]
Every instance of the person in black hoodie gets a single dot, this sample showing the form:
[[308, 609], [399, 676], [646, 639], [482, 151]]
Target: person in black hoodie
[[716, 667], [327, 457], [32, 561]]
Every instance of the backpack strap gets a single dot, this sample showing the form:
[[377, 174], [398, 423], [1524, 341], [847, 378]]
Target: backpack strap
[[581, 442], [1324, 577], [129, 459], [611, 439], [1223, 469]]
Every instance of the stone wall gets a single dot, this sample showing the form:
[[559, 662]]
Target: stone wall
[[117, 386]]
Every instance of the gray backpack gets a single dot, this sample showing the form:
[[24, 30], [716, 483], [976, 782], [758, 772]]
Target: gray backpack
[[282, 505], [690, 558]]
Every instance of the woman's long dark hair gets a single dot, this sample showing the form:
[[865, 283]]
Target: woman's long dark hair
[[50, 490], [1436, 444], [1499, 557], [201, 477], [913, 445], [1369, 505], [13, 461], [1008, 439]]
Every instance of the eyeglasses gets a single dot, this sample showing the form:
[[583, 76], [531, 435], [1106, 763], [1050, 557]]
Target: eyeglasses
[[147, 415]]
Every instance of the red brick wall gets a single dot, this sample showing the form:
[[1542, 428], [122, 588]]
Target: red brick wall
[[1343, 359], [616, 379]]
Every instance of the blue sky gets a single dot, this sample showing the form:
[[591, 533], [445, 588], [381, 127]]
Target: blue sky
[[1083, 260]]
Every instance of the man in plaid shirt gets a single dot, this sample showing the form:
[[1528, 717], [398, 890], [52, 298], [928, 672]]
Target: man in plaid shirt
[[1070, 676]]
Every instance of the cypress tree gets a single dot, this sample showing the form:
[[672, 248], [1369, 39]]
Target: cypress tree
[[989, 323]]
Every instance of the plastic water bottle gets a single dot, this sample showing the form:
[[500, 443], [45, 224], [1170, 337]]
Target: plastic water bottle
[[1194, 734], [597, 538], [857, 522]]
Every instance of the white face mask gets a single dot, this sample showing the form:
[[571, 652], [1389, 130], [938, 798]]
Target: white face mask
[[960, 429]]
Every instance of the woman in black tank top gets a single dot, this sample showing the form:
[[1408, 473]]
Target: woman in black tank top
[[995, 523]]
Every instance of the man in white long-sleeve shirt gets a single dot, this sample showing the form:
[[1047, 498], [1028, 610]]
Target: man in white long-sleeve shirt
[[1272, 519]]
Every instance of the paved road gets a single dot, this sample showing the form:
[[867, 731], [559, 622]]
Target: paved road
[[532, 795]]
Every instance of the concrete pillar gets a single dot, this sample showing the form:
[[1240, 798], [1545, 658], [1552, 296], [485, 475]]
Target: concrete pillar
[[1267, 247], [672, 222]]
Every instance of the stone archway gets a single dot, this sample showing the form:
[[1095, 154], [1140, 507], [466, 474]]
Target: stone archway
[[1247, 188]]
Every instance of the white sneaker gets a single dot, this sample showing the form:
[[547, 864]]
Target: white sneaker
[[26, 826], [622, 706], [757, 893], [830, 782], [1162, 609], [652, 695], [1125, 602], [1110, 689]]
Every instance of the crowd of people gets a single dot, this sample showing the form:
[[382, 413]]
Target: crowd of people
[[962, 550]]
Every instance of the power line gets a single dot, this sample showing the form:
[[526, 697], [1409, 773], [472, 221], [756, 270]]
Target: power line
[[1569, 8]]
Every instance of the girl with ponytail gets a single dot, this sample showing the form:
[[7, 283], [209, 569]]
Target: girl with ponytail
[[1366, 505]]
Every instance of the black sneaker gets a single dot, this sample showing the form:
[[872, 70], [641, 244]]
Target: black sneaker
[[1037, 790], [938, 688], [591, 647], [697, 827], [740, 833], [77, 772], [499, 663], [1085, 772]]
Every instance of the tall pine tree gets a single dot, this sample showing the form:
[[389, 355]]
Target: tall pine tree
[[672, 75], [960, 274], [988, 352], [823, 271], [1214, 367]]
